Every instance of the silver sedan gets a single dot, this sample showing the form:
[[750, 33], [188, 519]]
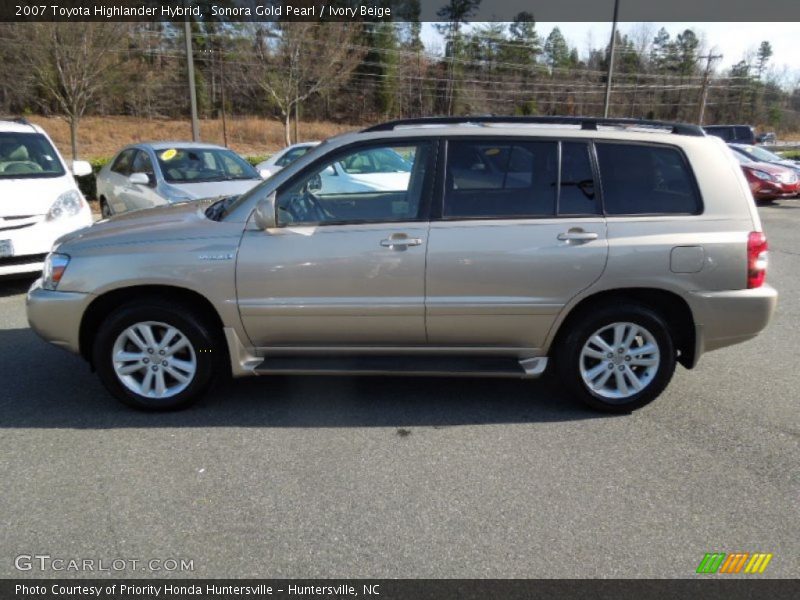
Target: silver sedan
[[155, 174]]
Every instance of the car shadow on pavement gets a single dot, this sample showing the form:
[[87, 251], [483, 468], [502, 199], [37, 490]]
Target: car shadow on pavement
[[45, 387]]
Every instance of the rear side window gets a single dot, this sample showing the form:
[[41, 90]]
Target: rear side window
[[744, 133], [726, 133], [490, 180], [641, 179]]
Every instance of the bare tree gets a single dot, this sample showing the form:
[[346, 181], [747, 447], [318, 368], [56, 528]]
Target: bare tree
[[302, 59], [71, 65]]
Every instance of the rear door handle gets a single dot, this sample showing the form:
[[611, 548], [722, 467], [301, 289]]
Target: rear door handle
[[577, 236], [400, 242]]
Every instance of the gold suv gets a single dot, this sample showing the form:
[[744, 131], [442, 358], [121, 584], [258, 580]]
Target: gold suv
[[604, 250]]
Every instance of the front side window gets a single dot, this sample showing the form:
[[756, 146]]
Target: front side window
[[366, 185], [197, 165], [142, 163], [28, 155], [484, 179], [642, 179], [123, 164]]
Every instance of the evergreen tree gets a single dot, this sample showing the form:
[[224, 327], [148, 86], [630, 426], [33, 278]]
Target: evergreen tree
[[556, 50]]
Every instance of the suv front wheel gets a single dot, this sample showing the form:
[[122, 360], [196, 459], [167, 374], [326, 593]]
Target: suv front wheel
[[154, 355], [617, 359]]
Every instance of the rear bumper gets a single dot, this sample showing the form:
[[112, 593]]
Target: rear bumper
[[56, 316], [730, 317]]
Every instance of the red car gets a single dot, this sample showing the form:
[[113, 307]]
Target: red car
[[768, 181]]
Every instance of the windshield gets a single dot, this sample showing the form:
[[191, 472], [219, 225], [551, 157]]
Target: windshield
[[761, 154], [197, 165], [28, 155], [742, 158]]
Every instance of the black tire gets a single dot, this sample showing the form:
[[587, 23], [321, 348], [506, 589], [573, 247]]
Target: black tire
[[105, 209], [568, 355], [207, 350]]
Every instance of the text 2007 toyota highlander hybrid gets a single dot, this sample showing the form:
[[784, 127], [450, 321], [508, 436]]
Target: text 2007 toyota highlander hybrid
[[605, 250]]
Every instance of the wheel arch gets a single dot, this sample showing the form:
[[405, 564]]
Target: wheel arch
[[102, 306], [675, 310]]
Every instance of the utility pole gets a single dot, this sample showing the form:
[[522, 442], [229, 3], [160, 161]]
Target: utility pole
[[192, 92], [704, 96], [611, 59]]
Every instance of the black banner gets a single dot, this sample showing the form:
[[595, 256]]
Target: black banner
[[399, 10], [400, 589]]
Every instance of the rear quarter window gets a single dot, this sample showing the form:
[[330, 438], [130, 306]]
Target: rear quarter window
[[640, 179]]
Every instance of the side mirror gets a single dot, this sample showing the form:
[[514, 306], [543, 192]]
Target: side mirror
[[264, 214], [315, 184], [139, 179], [81, 168], [264, 173]]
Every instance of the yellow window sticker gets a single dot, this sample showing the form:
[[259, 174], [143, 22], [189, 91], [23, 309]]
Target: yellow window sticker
[[492, 151], [169, 154]]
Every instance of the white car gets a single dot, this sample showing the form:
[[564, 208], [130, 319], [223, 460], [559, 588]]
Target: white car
[[39, 198], [372, 170], [283, 158]]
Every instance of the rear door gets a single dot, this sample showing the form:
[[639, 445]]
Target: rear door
[[520, 233]]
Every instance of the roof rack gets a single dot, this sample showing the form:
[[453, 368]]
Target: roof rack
[[586, 123]]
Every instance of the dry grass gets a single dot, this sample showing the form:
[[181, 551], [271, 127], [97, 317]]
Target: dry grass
[[101, 137]]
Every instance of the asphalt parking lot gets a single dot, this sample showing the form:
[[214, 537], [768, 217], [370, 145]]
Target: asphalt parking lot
[[396, 477]]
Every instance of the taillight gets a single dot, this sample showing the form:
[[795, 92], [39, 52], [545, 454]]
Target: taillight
[[756, 259]]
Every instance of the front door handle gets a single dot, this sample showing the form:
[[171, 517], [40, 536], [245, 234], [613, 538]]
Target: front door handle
[[577, 235], [400, 241]]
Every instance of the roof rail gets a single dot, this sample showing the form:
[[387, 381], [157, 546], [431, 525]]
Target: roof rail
[[587, 123]]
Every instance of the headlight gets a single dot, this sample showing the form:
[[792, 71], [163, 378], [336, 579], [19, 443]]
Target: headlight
[[173, 195], [762, 175], [66, 205], [54, 267]]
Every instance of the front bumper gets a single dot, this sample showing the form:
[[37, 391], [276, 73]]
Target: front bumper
[[56, 316], [32, 242], [730, 317]]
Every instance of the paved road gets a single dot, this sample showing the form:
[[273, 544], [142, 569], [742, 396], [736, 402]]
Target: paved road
[[392, 477]]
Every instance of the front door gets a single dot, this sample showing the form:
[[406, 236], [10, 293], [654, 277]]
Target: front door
[[346, 264], [136, 196]]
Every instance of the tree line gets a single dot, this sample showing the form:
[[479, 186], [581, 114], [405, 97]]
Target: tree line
[[365, 72]]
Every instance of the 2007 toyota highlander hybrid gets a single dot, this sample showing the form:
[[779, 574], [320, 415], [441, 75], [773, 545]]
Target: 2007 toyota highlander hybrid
[[606, 250]]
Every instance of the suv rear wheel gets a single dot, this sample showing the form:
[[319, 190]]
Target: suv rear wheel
[[155, 356], [617, 359]]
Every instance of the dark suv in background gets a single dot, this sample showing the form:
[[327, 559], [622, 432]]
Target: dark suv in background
[[733, 134]]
